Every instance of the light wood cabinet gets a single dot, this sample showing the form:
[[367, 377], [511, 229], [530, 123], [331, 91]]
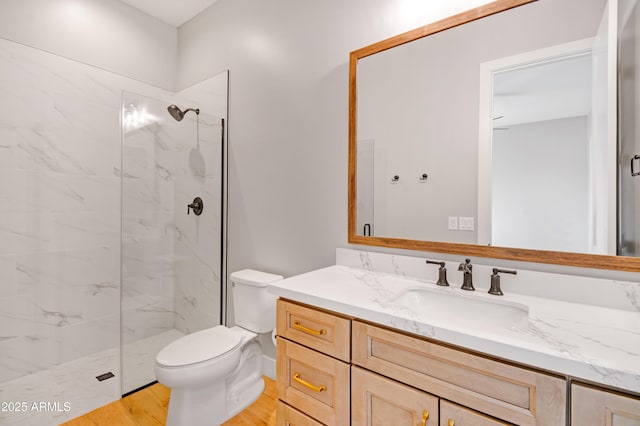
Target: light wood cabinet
[[313, 374], [378, 401], [598, 407], [504, 391], [287, 416], [455, 415], [316, 384], [335, 370], [322, 331]]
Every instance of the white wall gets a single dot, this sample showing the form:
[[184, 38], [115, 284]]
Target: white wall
[[104, 33], [288, 63], [540, 185]]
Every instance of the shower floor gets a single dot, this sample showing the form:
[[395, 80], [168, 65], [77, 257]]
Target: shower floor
[[69, 390], [139, 358]]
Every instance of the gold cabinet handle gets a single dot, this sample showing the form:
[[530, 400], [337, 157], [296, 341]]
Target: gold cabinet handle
[[307, 330], [425, 417], [296, 377], [451, 422]]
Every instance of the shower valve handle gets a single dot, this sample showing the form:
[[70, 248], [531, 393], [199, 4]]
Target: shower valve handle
[[197, 206]]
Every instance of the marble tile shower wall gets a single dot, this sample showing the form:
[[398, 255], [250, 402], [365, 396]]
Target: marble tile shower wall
[[197, 242], [171, 259], [59, 209], [148, 226]]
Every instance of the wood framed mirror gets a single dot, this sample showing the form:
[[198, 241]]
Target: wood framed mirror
[[430, 182]]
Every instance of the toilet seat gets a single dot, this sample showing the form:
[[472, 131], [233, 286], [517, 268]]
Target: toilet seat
[[200, 346]]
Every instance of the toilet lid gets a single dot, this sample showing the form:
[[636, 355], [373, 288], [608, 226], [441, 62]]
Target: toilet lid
[[199, 346]]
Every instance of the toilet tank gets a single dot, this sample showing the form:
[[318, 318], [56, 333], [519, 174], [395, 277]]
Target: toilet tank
[[254, 307]]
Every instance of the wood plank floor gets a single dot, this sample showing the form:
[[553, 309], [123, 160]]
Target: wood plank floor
[[148, 407]]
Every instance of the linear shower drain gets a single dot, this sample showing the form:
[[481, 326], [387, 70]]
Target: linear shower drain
[[105, 376]]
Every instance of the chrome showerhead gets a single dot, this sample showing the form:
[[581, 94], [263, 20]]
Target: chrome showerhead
[[178, 114]]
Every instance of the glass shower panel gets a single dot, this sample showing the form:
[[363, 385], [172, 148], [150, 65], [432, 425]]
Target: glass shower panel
[[170, 256], [366, 188], [629, 133]]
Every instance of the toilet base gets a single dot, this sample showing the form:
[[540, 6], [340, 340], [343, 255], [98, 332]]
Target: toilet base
[[197, 406], [249, 396], [212, 403], [245, 384]]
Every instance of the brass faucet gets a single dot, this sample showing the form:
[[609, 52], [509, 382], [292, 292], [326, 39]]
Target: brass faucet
[[467, 279]]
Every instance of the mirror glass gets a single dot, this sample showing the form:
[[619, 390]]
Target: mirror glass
[[499, 132]]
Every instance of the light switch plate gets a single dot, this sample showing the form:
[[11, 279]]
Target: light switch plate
[[453, 223], [466, 223]]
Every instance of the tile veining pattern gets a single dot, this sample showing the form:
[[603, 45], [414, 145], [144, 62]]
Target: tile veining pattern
[[59, 210], [60, 223], [583, 327], [197, 238], [170, 259], [74, 382]]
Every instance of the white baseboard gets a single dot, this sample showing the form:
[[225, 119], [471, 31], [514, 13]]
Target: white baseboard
[[269, 367]]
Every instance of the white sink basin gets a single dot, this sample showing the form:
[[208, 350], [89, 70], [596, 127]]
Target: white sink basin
[[452, 307]]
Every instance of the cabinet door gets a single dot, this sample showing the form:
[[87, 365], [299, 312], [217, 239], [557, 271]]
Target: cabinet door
[[595, 407], [378, 401], [455, 415], [287, 416]]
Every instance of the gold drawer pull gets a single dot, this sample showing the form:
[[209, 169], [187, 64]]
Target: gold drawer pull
[[451, 422], [425, 417], [296, 377], [307, 330]]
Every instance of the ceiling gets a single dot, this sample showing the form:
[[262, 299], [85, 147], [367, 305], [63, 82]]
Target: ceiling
[[550, 90], [173, 12]]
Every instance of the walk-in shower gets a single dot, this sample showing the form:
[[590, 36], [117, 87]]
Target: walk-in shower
[[170, 257], [100, 264]]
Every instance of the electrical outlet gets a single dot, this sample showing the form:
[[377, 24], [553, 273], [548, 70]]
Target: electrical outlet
[[453, 223], [466, 223]]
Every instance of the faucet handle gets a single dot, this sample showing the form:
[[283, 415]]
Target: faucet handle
[[495, 280], [466, 266], [442, 273], [467, 277], [504, 271]]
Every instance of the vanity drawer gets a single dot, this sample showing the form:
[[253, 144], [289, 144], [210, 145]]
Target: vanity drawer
[[315, 384], [505, 391], [454, 415], [287, 416], [319, 330]]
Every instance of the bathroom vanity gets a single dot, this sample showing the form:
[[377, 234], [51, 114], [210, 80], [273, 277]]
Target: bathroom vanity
[[373, 340], [355, 346]]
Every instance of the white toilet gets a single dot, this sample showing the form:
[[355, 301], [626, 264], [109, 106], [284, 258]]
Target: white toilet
[[216, 373]]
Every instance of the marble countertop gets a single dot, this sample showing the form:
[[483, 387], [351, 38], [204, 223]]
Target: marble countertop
[[593, 343]]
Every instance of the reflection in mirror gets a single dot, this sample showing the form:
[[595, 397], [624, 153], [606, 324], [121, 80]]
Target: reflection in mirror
[[509, 118], [548, 164], [629, 139], [539, 156], [418, 113]]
